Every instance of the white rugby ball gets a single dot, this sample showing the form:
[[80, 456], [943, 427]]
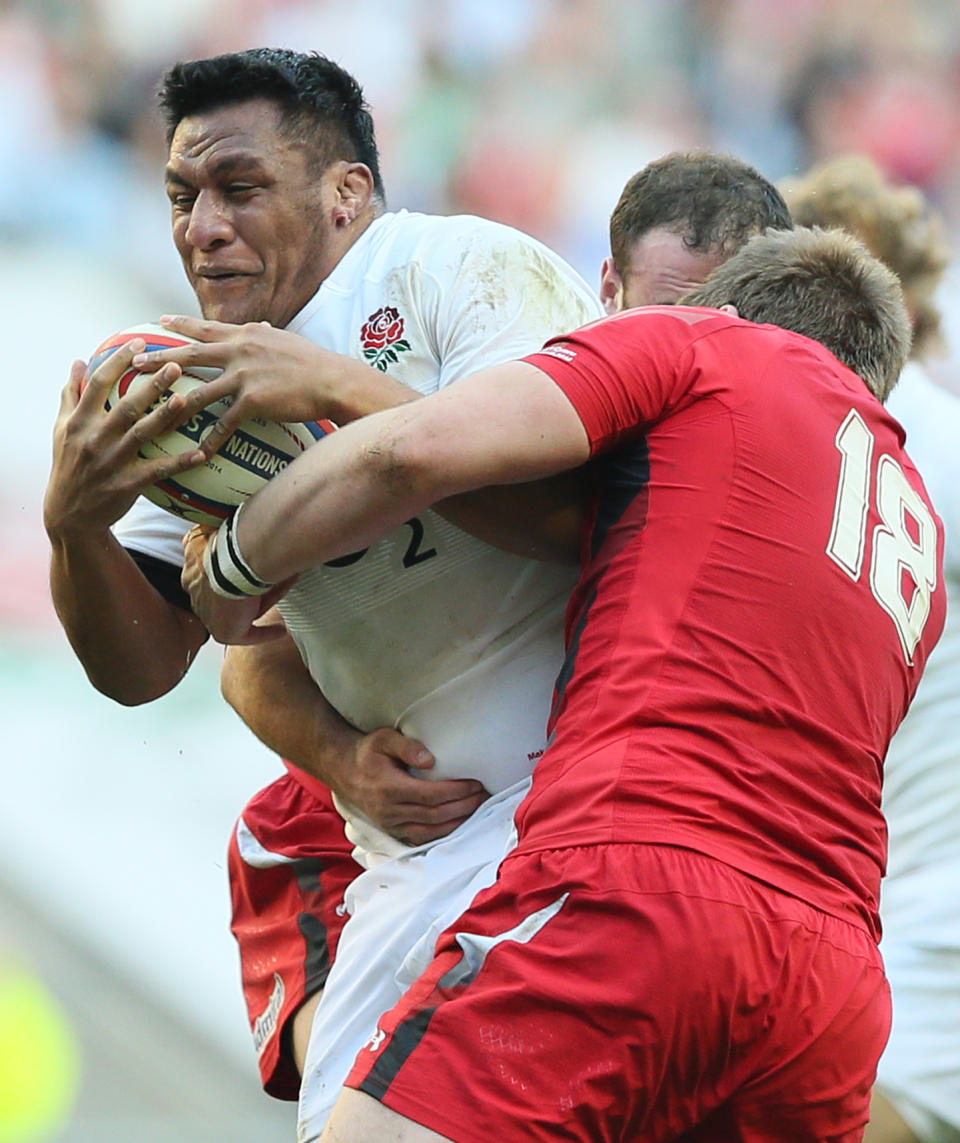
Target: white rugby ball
[[253, 454]]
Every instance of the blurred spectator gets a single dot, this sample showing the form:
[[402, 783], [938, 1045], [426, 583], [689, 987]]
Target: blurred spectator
[[895, 99]]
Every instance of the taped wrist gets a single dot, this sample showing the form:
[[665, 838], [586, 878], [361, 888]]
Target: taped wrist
[[227, 570]]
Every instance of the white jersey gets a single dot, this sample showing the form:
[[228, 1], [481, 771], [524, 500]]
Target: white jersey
[[922, 770], [920, 902], [430, 630]]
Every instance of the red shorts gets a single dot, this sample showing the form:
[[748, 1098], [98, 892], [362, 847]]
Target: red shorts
[[289, 865], [636, 992]]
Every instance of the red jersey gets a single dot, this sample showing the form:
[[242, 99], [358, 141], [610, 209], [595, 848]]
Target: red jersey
[[761, 588]]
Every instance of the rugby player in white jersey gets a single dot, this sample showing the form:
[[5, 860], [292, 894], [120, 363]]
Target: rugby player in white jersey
[[278, 214], [917, 1097]]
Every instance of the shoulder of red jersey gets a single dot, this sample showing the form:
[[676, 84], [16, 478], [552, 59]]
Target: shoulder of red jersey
[[648, 319]]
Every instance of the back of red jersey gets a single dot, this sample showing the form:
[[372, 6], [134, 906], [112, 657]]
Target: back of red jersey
[[760, 592]]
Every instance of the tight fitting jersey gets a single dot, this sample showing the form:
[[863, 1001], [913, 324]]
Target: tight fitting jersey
[[762, 586], [430, 630]]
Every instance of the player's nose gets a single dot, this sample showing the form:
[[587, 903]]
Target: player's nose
[[210, 223]]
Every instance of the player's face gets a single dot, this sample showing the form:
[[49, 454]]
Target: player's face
[[661, 270], [251, 222]]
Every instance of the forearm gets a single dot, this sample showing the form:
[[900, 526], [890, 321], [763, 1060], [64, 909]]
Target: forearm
[[133, 644], [508, 425], [342, 498], [379, 773], [271, 690], [287, 378], [352, 389], [540, 520]]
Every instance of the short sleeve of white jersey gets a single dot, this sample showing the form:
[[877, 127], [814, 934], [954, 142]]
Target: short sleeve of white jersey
[[152, 531], [491, 294]]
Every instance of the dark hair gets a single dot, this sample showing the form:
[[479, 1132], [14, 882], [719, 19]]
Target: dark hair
[[825, 285], [715, 202], [320, 103]]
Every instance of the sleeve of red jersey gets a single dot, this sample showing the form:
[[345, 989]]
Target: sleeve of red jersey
[[624, 373]]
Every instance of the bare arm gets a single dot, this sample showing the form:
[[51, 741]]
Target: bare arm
[[272, 691], [508, 424], [281, 376], [133, 644]]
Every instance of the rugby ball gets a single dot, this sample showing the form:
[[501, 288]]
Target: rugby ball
[[252, 455]]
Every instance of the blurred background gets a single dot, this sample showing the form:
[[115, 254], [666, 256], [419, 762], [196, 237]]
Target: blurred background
[[113, 822]]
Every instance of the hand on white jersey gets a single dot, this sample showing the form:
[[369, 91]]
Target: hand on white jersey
[[97, 472], [379, 782], [227, 620]]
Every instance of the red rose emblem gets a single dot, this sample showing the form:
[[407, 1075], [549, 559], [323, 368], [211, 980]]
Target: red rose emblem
[[382, 328], [382, 337]]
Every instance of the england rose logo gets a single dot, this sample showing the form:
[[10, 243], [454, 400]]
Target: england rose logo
[[382, 337]]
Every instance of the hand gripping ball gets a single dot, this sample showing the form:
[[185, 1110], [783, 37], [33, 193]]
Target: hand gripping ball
[[253, 454]]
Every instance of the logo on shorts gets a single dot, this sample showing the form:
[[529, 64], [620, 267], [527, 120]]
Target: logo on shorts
[[382, 337], [266, 1022], [375, 1040]]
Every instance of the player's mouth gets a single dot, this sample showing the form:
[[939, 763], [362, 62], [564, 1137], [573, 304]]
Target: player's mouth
[[216, 278]]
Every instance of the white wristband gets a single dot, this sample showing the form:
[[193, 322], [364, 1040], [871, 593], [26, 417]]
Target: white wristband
[[228, 573]]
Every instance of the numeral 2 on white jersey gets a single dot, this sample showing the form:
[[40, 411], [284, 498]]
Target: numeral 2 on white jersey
[[904, 540]]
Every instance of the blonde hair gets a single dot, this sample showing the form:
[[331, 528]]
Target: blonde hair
[[895, 223], [825, 285]]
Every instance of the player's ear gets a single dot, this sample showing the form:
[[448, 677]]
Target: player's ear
[[611, 287], [354, 191], [729, 310]]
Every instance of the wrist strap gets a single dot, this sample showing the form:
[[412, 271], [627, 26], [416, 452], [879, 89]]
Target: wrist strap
[[228, 572]]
